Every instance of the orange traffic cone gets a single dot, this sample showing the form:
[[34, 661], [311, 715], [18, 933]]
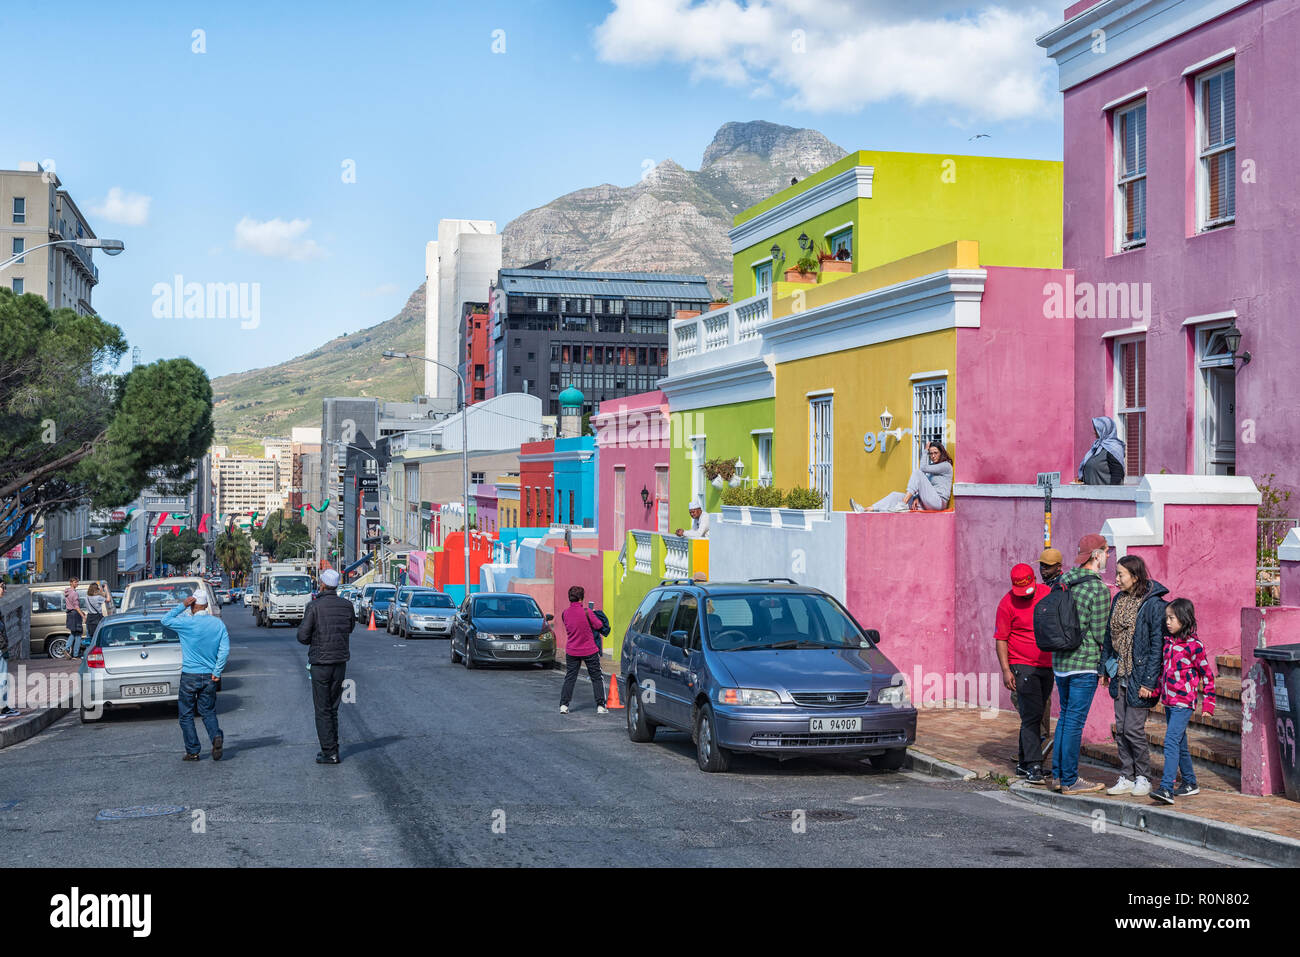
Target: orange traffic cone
[[371, 626], [612, 701]]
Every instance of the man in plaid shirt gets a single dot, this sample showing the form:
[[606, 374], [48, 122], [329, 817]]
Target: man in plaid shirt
[[1078, 671]]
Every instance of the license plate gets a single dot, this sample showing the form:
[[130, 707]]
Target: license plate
[[834, 725], [520, 646], [144, 691]]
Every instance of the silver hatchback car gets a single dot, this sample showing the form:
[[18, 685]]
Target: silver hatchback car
[[134, 659]]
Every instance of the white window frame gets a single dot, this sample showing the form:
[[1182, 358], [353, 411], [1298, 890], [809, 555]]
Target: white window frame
[[1205, 154], [821, 445], [831, 235], [919, 439], [764, 268], [1122, 181], [763, 467], [1204, 334], [19, 218], [1121, 410], [620, 503], [699, 453]]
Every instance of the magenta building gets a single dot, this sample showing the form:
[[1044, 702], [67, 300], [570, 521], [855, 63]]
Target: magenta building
[[1181, 160]]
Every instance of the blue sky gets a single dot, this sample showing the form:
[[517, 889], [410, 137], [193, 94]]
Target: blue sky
[[172, 150]]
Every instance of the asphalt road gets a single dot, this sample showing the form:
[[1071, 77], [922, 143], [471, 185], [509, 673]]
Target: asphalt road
[[443, 766]]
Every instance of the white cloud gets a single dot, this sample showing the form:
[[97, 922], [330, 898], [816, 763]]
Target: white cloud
[[277, 239], [126, 209], [848, 54]]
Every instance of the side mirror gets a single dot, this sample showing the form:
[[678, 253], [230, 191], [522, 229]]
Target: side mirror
[[873, 636], [678, 639], [550, 618]]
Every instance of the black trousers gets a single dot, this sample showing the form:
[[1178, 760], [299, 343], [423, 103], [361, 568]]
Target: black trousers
[[1033, 696], [326, 692], [593, 672]]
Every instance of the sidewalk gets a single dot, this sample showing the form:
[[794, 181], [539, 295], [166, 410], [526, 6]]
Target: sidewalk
[[33, 683], [1220, 817]]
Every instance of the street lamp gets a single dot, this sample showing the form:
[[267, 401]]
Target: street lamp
[[464, 443], [111, 247]]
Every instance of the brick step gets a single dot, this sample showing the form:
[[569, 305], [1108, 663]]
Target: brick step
[[1227, 666], [1222, 719], [1208, 773]]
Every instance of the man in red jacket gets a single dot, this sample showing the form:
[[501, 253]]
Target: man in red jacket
[[581, 625], [1026, 669]]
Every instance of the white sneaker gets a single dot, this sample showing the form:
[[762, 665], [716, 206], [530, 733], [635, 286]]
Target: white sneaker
[[1123, 786], [1141, 787], [602, 710], [564, 709]]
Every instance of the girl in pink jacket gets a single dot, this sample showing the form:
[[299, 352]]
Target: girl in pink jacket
[[1186, 684]]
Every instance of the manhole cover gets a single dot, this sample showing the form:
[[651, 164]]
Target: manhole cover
[[809, 814], [127, 813]]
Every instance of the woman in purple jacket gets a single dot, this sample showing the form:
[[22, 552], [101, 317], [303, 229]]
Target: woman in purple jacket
[[581, 625]]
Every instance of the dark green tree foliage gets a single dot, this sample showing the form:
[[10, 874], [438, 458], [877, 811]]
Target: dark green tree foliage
[[178, 550], [282, 538], [73, 430]]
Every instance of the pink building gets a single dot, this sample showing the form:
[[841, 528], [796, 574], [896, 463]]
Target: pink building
[[1181, 160], [633, 442]]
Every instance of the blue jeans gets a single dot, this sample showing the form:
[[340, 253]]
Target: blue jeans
[[1076, 693], [197, 692], [1177, 755], [4, 682]]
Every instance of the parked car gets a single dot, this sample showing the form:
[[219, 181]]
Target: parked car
[[49, 621], [380, 602], [134, 659], [160, 594], [235, 596], [502, 627], [767, 668], [427, 612], [117, 598], [398, 610], [223, 596]]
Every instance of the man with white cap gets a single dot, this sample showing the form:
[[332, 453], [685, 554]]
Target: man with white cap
[[699, 521], [327, 628], [205, 646]]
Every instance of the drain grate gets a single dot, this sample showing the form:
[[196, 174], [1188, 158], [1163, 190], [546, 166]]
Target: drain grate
[[810, 814], [146, 810]]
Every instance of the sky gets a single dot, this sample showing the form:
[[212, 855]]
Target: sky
[[306, 151]]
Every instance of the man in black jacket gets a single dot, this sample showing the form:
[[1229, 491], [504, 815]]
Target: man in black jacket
[[327, 626]]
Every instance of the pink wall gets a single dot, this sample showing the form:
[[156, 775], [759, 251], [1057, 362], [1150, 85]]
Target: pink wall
[[1249, 266], [540, 589], [631, 433], [574, 568], [898, 579], [1013, 375], [1261, 772], [1290, 583]]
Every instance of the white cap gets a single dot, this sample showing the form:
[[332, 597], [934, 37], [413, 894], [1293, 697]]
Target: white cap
[[329, 578], [200, 597], [695, 503]]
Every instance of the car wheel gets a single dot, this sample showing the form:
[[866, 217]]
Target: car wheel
[[452, 645], [57, 647], [639, 728], [88, 717], [890, 760], [708, 755], [468, 656]]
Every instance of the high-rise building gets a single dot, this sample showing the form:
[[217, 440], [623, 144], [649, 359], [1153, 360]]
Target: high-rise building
[[245, 485], [459, 268], [35, 211]]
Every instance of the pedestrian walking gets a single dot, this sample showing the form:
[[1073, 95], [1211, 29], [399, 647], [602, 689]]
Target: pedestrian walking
[[74, 617], [1026, 668], [1078, 670], [205, 647], [327, 629], [7, 710], [1186, 687], [1132, 659], [95, 606], [581, 626]]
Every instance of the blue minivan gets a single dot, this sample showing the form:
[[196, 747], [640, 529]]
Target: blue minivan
[[767, 667]]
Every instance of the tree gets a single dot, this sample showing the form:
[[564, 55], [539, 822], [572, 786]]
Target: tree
[[73, 430], [178, 550], [282, 538], [234, 553]]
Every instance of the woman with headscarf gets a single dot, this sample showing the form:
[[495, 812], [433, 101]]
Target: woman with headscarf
[[1104, 463]]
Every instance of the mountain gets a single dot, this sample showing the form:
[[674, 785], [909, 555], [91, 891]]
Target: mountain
[[673, 220]]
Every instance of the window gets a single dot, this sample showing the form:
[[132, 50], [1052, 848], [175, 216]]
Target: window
[[616, 307], [1216, 138], [598, 306], [20, 210], [1131, 385], [929, 415], [763, 277], [1216, 401], [765, 459], [18, 286], [620, 504], [687, 620], [1131, 176], [542, 304], [821, 445], [18, 248], [841, 244], [532, 356], [660, 501], [555, 352], [572, 520], [477, 478], [659, 619], [589, 355]]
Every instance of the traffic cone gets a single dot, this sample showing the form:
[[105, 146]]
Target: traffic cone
[[371, 626], [612, 701]]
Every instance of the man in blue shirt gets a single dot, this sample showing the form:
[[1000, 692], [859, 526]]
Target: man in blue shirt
[[205, 646]]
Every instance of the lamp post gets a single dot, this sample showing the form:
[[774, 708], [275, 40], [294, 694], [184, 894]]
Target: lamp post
[[111, 247], [464, 444]]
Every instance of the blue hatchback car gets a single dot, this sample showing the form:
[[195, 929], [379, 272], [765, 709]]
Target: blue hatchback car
[[766, 667]]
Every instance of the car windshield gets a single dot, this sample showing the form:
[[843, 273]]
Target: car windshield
[[507, 607], [170, 594], [131, 633], [432, 601], [777, 621], [290, 585], [383, 596]]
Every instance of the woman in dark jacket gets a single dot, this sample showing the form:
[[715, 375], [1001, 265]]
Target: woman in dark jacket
[[1132, 656]]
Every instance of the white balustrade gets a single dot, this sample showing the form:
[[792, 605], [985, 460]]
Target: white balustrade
[[641, 554], [677, 557]]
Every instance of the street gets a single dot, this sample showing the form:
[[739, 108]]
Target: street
[[442, 766]]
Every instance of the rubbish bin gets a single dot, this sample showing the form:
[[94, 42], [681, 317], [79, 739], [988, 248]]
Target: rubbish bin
[[1283, 663]]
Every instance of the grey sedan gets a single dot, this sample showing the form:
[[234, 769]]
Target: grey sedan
[[427, 613], [133, 659]]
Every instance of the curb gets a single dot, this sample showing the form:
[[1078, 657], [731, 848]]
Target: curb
[[924, 763], [1204, 832], [33, 723]]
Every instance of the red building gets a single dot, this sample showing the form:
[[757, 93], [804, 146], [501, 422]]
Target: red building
[[477, 366], [536, 483]]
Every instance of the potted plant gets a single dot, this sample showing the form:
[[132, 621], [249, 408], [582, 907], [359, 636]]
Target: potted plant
[[735, 504], [798, 503], [835, 261], [719, 303], [719, 471], [764, 504], [805, 270]]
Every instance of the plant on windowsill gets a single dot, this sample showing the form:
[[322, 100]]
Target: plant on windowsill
[[834, 262]]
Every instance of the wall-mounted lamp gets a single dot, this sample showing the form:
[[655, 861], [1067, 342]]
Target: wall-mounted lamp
[[645, 496], [777, 254], [737, 479], [804, 242], [1232, 339], [886, 420]]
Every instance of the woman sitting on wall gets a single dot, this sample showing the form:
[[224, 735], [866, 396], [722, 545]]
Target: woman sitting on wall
[[1104, 463], [929, 489]]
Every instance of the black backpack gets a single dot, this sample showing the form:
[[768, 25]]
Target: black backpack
[[1056, 622]]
